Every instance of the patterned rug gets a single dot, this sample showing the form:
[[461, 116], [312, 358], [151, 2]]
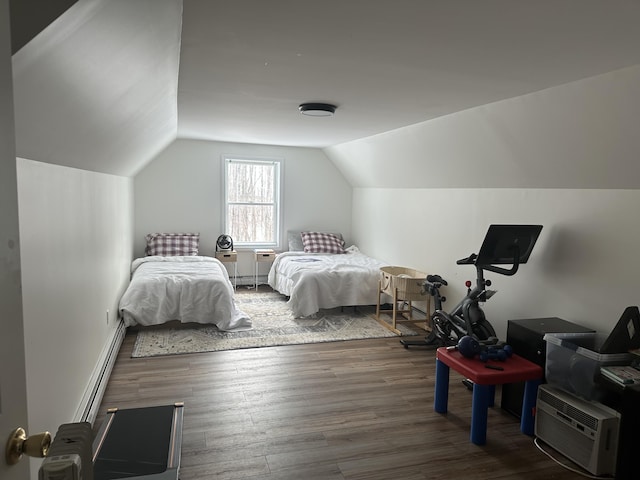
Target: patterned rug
[[273, 325]]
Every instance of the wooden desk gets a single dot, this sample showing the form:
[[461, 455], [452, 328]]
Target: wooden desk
[[515, 369]]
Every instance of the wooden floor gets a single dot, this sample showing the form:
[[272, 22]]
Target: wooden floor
[[361, 409]]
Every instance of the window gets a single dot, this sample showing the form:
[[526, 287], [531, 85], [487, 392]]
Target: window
[[252, 201]]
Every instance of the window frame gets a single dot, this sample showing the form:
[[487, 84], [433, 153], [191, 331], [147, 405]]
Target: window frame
[[277, 201]]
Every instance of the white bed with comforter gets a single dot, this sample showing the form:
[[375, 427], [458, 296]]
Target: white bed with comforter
[[185, 288], [315, 281]]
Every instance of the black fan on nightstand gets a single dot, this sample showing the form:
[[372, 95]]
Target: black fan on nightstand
[[224, 243]]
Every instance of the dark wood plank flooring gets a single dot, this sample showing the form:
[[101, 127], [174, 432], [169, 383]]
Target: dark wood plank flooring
[[345, 410]]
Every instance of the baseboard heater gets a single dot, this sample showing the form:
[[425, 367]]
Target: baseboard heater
[[70, 455], [92, 397]]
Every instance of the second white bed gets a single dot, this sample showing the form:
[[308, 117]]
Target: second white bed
[[315, 281]]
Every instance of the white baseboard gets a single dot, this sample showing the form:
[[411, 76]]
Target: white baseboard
[[92, 397]]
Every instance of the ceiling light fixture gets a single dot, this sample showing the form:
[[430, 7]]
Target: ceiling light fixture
[[317, 109]]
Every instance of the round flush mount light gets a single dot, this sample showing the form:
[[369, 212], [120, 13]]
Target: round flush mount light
[[317, 109]]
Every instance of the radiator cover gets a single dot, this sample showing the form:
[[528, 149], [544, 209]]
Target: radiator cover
[[70, 456]]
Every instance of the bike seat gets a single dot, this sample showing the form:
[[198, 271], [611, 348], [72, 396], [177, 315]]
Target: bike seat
[[436, 279]]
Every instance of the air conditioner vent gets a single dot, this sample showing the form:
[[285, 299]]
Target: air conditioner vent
[[576, 414]]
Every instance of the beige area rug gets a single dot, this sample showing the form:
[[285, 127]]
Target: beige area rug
[[273, 325]]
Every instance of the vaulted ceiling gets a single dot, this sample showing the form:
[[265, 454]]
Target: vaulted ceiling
[[109, 83]]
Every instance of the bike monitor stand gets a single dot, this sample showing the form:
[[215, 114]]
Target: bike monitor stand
[[500, 240]]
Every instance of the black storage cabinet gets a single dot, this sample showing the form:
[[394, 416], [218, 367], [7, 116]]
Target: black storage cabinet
[[526, 338], [625, 399]]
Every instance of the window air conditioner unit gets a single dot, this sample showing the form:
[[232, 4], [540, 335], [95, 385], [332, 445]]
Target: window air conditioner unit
[[585, 432]]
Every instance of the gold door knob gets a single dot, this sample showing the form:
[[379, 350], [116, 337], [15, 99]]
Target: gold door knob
[[34, 446]]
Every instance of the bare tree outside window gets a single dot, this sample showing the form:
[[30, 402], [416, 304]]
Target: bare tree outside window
[[252, 201]]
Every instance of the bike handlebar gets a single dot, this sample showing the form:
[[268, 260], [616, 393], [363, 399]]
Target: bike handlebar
[[470, 260], [503, 271]]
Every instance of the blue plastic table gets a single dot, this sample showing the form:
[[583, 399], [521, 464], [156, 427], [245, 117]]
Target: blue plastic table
[[515, 369]]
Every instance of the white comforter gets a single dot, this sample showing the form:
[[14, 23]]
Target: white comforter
[[317, 280], [189, 289]]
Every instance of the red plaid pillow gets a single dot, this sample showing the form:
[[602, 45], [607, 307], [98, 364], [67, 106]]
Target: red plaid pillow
[[316, 242], [172, 244]]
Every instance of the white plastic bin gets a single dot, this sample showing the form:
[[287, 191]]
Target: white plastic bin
[[572, 361]]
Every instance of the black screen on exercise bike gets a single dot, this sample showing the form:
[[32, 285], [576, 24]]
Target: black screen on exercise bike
[[500, 240]]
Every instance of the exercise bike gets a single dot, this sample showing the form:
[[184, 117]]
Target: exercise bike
[[503, 245]]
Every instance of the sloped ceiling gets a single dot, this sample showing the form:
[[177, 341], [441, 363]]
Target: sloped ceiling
[[97, 89], [111, 82]]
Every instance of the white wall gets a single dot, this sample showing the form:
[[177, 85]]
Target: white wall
[[582, 268], [584, 133], [76, 249], [181, 191]]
